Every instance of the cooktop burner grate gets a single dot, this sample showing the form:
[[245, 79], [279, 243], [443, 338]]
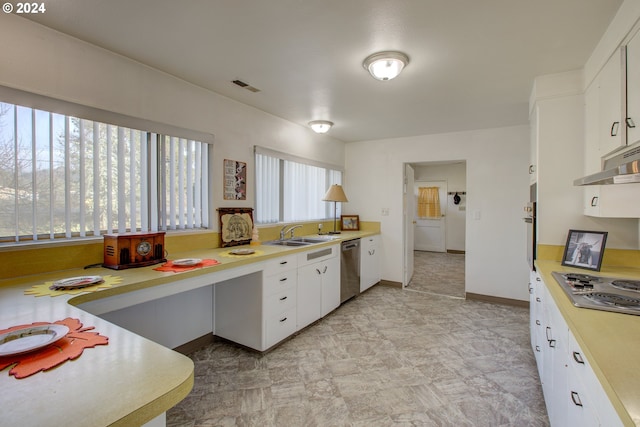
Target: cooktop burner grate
[[613, 300], [585, 278], [628, 285]]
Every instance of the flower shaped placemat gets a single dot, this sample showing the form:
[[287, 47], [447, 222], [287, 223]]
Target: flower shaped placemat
[[68, 348], [45, 288], [169, 266]]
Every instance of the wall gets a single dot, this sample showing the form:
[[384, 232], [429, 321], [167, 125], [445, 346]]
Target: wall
[[39, 60], [456, 177], [497, 190]]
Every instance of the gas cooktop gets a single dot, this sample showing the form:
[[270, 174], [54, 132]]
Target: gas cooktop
[[601, 293]]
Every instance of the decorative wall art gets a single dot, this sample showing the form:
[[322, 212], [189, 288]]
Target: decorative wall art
[[235, 180], [584, 249], [236, 225]]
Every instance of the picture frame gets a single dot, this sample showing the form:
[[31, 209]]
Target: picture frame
[[236, 226], [350, 222], [584, 249], [235, 180]]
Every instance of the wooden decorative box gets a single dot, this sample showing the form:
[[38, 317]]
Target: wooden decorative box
[[132, 250]]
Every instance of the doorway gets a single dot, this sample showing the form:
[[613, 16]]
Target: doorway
[[435, 247]]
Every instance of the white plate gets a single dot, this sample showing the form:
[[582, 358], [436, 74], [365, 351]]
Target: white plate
[[186, 262], [30, 338], [76, 282], [243, 251]]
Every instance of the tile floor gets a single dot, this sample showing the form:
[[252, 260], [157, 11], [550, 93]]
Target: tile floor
[[438, 273], [390, 357]]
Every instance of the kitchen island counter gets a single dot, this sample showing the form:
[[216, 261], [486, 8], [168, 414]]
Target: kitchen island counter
[[128, 382], [610, 341]]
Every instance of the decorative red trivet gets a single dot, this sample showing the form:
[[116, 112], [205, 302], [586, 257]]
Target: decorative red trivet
[[68, 348], [168, 266]]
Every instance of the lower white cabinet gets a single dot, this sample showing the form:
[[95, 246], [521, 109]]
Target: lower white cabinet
[[318, 284], [369, 262], [572, 392], [536, 295]]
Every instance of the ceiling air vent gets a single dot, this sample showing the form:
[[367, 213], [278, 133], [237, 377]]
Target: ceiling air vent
[[246, 86]]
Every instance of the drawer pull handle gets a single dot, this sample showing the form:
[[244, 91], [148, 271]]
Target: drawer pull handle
[[578, 357], [283, 262], [552, 343], [576, 398], [325, 269], [538, 279], [630, 122], [283, 298], [538, 299], [538, 322], [538, 348], [283, 320], [318, 270], [547, 333], [372, 252], [283, 279], [614, 129], [594, 201]]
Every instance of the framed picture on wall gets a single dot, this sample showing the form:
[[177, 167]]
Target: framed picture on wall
[[235, 180], [350, 222], [584, 249]]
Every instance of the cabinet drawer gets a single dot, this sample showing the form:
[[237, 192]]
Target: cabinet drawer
[[278, 265], [279, 282], [280, 326], [279, 302]]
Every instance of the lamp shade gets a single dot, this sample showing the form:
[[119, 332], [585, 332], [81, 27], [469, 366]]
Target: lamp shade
[[385, 65], [335, 193]]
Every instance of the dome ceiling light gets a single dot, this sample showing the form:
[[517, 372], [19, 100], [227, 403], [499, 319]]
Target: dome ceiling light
[[385, 65], [320, 126]]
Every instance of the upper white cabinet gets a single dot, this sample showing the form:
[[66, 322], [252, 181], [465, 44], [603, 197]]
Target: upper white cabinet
[[633, 89], [533, 146], [611, 125], [369, 262]]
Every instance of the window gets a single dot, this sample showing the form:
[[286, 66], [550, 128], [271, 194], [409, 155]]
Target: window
[[291, 189], [62, 176]]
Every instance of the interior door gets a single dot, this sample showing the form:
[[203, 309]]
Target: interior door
[[430, 232], [409, 223]]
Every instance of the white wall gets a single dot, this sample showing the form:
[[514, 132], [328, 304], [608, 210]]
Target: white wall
[[497, 189], [456, 177], [39, 60]]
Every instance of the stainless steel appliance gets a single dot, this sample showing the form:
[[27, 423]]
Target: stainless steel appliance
[[601, 293], [622, 168], [530, 219], [349, 269]]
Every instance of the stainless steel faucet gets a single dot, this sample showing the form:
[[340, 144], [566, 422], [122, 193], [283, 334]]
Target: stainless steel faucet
[[288, 229]]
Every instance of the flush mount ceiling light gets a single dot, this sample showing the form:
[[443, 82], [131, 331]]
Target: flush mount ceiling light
[[385, 65], [321, 126]]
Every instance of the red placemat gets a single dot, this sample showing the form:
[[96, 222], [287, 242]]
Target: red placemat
[[68, 348], [168, 266]]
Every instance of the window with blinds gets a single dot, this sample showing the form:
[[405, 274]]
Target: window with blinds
[[290, 188], [63, 177]]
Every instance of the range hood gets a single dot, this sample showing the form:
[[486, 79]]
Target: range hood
[[623, 168]]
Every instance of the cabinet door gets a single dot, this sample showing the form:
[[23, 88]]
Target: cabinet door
[[309, 295], [369, 262], [536, 319], [633, 89], [330, 285], [612, 201], [612, 129]]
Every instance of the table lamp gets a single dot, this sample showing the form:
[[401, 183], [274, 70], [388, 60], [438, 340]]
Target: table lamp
[[335, 194]]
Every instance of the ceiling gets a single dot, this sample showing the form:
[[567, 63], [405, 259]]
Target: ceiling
[[472, 62]]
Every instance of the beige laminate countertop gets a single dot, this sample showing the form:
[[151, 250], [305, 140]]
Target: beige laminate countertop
[[610, 341], [128, 382]]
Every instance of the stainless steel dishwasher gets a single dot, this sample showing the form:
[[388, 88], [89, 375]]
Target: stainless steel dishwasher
[[349, 269]]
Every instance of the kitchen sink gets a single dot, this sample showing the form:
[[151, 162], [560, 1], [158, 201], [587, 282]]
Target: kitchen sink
[[301, 241], [313, 239], [287, 243]]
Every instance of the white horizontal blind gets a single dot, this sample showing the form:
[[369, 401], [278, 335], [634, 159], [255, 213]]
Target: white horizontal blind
[[291, 189], [62, 176]]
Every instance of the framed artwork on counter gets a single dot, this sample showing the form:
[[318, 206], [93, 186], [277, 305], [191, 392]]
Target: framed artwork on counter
[[236, 226], [350, 222], [584, 249]]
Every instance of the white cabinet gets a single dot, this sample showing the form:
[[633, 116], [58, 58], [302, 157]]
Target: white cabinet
[[369, 262], [611, 126], [533, 146], [612, 201], [633, 90], [280, 278], [318, 288], [572, 393], [536, 295]]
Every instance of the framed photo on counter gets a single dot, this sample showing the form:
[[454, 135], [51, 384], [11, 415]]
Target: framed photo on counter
[[350, 222], [584, 249]]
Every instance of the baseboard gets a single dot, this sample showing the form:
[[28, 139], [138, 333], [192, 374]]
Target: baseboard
[[196, 344], [497, 300], [455, 251], [390, 284]]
